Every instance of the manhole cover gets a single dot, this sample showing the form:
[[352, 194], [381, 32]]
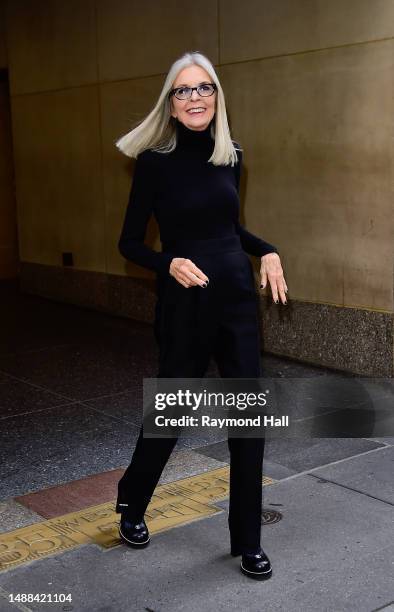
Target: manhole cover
[[270, 516]]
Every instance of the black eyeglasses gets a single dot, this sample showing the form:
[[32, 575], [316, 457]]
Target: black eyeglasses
[[184, 93]]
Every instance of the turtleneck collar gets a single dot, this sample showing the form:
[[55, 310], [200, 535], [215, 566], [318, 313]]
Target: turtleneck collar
[[195, 139]]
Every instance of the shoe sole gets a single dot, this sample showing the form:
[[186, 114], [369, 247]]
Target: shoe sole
[[133, 544], [257, 575]]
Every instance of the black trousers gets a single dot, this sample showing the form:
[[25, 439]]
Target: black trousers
[[191, 326]]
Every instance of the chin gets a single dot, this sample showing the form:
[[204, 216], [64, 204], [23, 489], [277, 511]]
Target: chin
[[198, 123]]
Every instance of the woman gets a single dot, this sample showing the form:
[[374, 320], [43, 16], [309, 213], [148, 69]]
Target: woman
[[187, 174]]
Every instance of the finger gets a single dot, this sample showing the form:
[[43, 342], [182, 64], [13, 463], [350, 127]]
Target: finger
[[185, 272], [190, 279], [197, 272], [278, 290], [263, 273], [181, 281], [184, 279], [193, 273], [274, 288], [281, 289], [194, 280]]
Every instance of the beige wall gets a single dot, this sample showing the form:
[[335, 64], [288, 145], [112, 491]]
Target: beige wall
[[309, 88]]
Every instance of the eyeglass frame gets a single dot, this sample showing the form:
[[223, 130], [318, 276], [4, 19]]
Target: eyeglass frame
[[172, 92]]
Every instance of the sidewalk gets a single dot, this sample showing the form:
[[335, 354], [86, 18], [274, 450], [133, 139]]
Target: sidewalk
[[70, 397]]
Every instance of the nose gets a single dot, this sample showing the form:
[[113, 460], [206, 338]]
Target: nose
[[197, 96]]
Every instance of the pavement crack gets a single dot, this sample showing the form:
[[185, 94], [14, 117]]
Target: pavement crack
[[339, 484]]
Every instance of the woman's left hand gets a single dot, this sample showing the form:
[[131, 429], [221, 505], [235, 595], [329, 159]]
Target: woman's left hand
[[271, 269]]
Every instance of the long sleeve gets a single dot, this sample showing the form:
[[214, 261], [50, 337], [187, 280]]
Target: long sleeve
[[140, 207], [250, 243]]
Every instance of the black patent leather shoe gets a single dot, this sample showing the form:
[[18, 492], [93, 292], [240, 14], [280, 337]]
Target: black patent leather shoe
[[133, 532], [256, 565]]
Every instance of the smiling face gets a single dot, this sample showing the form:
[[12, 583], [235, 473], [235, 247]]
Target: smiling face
[[192, 76]]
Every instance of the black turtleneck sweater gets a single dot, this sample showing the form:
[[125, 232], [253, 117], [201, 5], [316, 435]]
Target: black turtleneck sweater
[[189, 197]]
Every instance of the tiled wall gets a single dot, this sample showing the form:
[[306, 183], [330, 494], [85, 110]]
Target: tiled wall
[[309, 89]]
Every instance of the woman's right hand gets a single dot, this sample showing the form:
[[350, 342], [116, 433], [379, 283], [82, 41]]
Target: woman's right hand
[[187, 273]]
